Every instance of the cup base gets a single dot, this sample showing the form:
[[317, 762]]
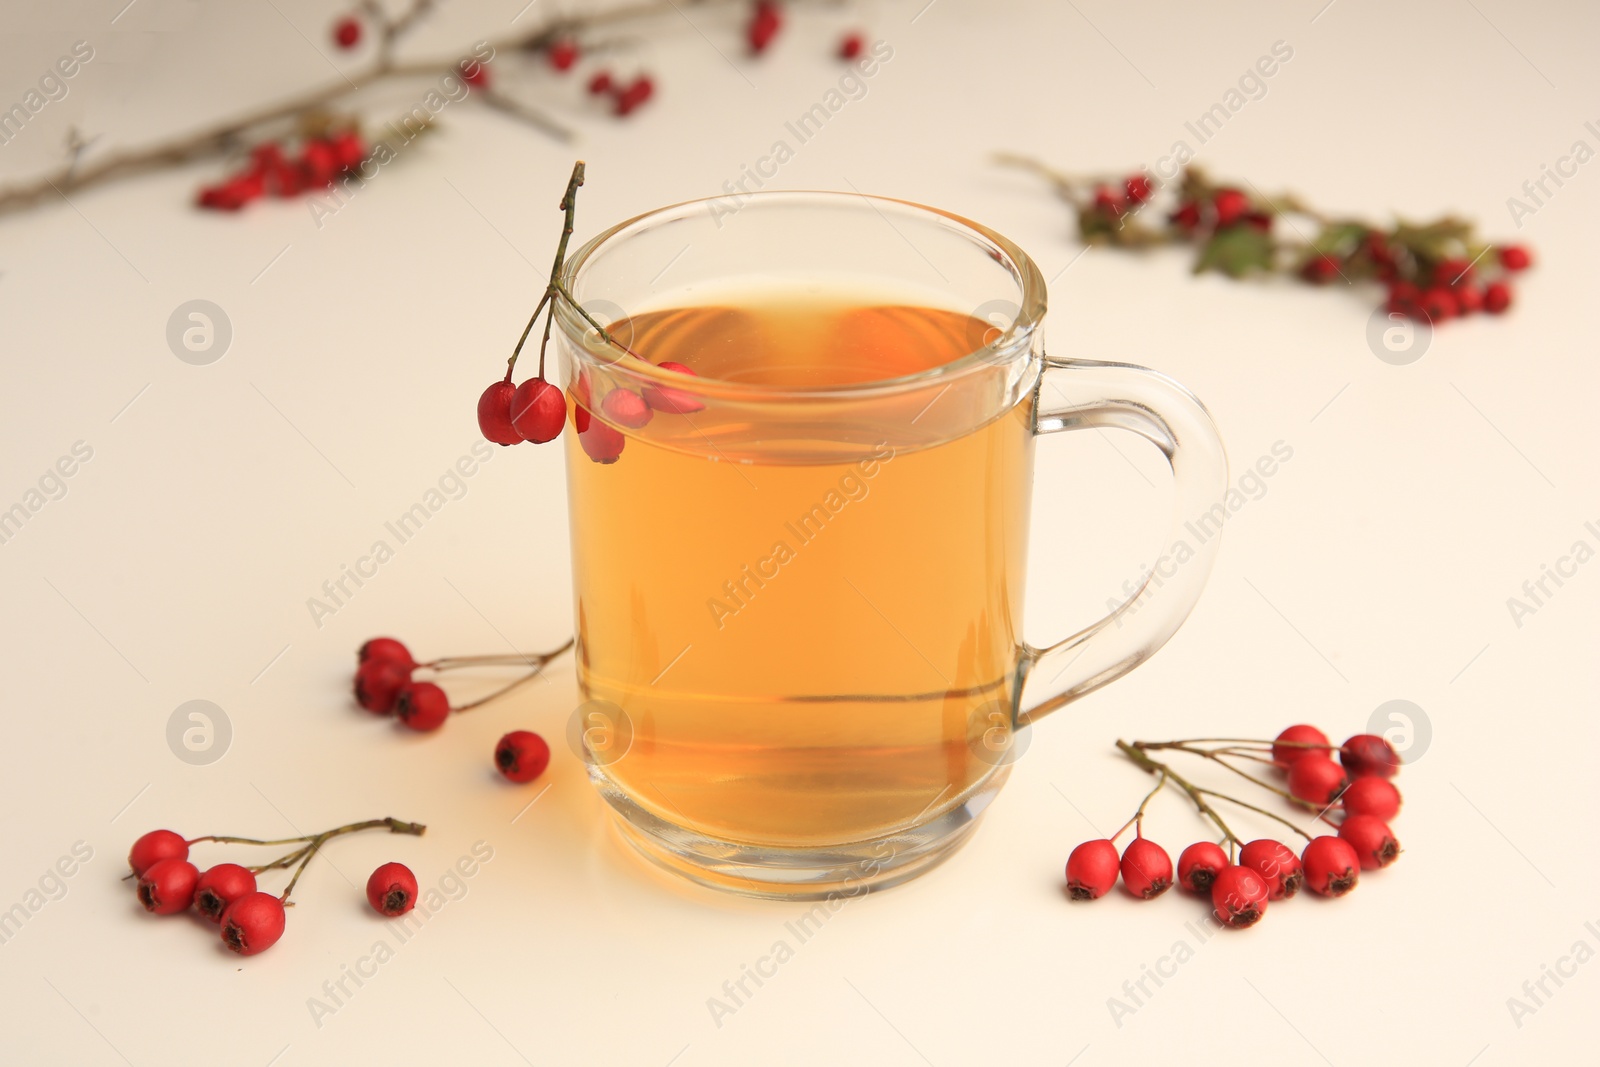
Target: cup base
[[819, 873]]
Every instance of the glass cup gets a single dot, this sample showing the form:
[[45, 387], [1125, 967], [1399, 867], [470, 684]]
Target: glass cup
[[799, 607]]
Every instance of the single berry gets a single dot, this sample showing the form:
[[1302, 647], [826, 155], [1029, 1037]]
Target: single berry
[[626, 408], [765, 21], [637, 92], [1373, 796], [421, 706], [253, 923], [221, 886], [1303, 736], [347, 32], [1403, 299], [1453, 272], [563, 53], [1109, 202], [1199, 864], [1515, 257], [1258, 220], [348, 148], [1277, 865], [1496, 297], [1239, 896], [1092, 869], [1366, 754], [167, 887], [378, 683], [1372, 839], [1187, 217], [1137, 187], [155, 846], [672, 401], [474, 73], [1438, 303], [319, 162], [521, 755], [1376, 244], [850, 46], [1469, 298], [1317, 779], [386, 648], [538, 410], [392, 889], [1320, 270], [1229, 206], [1331, 865], [600, 83], [1146, 868], [601, 442], [494, 414]]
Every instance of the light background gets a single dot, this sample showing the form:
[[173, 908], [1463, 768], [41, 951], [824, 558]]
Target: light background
[[1377, 566]]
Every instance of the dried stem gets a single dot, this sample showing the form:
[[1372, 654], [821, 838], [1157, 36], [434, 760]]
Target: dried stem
[[1195, 793]]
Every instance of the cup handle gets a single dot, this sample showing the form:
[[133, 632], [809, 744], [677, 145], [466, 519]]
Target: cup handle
[[1125, 397]]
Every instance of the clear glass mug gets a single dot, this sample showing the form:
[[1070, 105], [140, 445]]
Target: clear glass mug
[[798, 608]]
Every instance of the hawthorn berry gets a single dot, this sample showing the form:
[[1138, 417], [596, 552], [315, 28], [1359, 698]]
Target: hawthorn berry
[[386, 648], [600, 441], [1239, 896], [626, 408], [634, 95], [319, 162], [1092, 869], [392, 889], [1403, 299], [1496, 297], [253, 923], [521, 755], [1303, 736], [155, 846], [1366, 754], [1137, 187], [167, 886], [1187, 217], [1146, 868], [348, 148], [378, 683], [1277, 865], [1259, 220], [1229, 205], [473, 73], [1317, 779], [347, 32], [850, 46], [220, 886], [1320, 270], [1469, 298], [421, 706], [1199, 864], [1331, 866], [766, 19], [1437, 303], [1453, 272], [672, 401], [538, 410], [563, 53], [1515, 257], [494, 414], [1373, 796], [600, 83], [1370, 836], [1109, 202]]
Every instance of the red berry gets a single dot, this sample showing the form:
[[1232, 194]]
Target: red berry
[[601, 442], [600, 83], [265, 156], [1229, 205], [1373, 796], [167, 887], [348, 148], [850, 46], [1146, 868], [1377, 247], [1496, 297], [392, 889], [474, 73], [1277, 865], [672, 401], [319, 163], [1403, 299], [626, 408], [1437, 303], [1366, 754], [1109, 202], [221, 886], [538, 410], [637, 92], [563, 53], [522, 755], [1239, 896], [378, 683], [1370, 836], [765, 22], [253, 923], [1515, 257], [347, 32], [422, 706], [1199, 864], [1187, 217], [1137, 186], [1469, 298], [1453, 272], [494, 414], [155, 846], [1259, 220], [1319, 270], [386, 648], [1283, 755], [1317, 779], [1092, 870], [1331, 865]]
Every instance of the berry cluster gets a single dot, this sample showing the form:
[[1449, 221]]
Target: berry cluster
[[249, 920], [1241, 880], [385, 681], [270, 172], [536, 410], [1431, 272]]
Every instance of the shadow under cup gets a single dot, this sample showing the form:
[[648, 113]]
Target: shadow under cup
[[799, 608]]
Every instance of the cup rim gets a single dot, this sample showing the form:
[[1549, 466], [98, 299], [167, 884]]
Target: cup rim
[[1014, 340]]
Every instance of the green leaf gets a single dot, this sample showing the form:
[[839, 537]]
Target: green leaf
[[1236, 251]]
